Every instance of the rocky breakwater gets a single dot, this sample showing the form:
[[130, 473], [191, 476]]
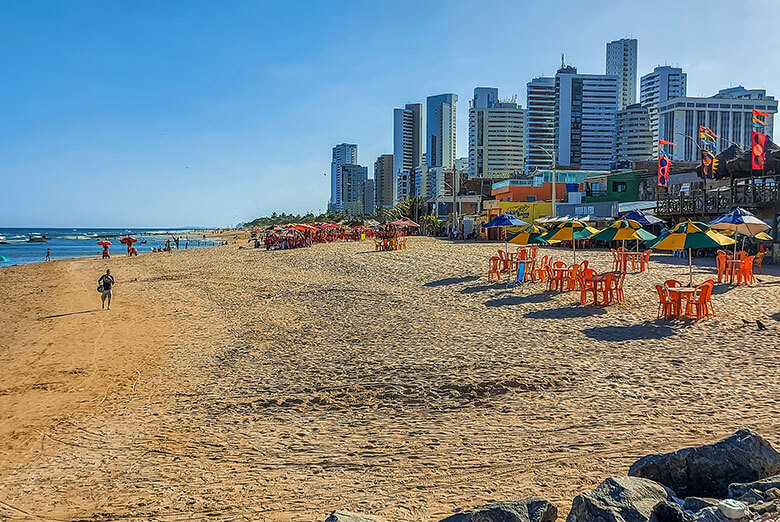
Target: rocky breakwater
[[736, 479]]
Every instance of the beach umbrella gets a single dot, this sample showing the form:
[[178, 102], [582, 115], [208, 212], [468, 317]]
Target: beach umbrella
[[128, 240], [305, 228], [504, 220], [622, 230], [528, 235], [643, 218], [740, 221], [404, 222], [571, 230], [689, 234], [104, 243]]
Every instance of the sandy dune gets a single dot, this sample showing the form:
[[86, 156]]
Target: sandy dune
[[242, 384]]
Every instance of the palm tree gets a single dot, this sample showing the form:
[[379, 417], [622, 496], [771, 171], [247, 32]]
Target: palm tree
[[410, 208], [431, 225]]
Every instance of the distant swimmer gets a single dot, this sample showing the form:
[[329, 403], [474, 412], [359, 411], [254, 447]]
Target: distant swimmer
[[106, 283]]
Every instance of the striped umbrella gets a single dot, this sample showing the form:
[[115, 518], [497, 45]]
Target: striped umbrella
[[528, 235], [622, 230], [740, 221], [689, 234], [570, 230]]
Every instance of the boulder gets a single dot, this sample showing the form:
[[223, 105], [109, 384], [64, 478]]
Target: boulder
[[711, 514], [707, 470], [531, 509], [738, 489], [669, 512], [619, 499], [698, 503], [346, 516]]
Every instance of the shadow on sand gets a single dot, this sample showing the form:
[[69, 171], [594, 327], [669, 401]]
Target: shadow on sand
[[569, 312], [512, 300], [483, 288], [776, 316], [720, 289], [69, 313], [450, 281], [634, 332]]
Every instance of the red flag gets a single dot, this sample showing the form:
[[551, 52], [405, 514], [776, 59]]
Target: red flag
[[664, 164], [759, 113], [757, 157], [664, 142]]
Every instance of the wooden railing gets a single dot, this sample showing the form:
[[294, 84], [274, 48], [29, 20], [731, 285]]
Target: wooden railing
[[749, 193]]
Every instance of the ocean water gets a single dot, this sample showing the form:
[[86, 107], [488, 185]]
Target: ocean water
[[82, 242]]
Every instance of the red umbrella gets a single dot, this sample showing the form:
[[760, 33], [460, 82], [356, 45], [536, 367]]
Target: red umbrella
[[404, 222], [305, 228], [329, 225], [128, 240], [104, 243]]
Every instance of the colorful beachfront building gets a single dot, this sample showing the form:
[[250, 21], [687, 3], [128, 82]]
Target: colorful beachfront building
[[523, 190]]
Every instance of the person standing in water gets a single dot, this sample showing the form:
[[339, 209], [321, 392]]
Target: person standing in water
[[106, 282], [48, 254]]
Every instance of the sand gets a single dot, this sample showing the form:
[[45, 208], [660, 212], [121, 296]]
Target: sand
[[240, 384]]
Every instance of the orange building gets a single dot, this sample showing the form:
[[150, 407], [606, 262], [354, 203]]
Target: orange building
[[506, 191]]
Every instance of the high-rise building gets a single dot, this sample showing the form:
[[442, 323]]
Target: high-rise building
[[656, 87], [585, 107], [496, 135], [633, 141], [353, 181], [343, 154], [621, 62], [539, 124], [441, 130], [407, 142], [729, 114], [383, 180], [369, 196]]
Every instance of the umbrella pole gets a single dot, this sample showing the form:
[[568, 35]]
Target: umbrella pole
[[690, 268], [574, 248]]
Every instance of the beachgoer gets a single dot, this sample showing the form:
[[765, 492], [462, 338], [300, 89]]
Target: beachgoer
[[107, 282], [48, 254]]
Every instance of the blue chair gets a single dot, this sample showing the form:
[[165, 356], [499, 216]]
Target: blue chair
[[520, 274]]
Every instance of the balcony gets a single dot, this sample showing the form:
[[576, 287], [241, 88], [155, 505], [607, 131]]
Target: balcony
[[751, 193]]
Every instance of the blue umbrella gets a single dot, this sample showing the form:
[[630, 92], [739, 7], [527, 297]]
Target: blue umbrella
[[504, 220], [740, 221], [642, 218]]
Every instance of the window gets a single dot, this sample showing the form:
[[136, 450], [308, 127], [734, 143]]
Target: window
[[619, 186], [530, 198]]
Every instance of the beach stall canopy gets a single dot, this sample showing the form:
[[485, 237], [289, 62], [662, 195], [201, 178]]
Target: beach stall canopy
[[643, 218], [687, 235], [504, 220], [528, 235], [305, 228], [404, 222]]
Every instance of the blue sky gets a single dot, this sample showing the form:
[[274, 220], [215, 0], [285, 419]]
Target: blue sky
[[154, 113]]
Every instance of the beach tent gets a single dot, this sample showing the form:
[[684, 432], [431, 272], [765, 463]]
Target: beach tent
[[689, 234], [571, 230]]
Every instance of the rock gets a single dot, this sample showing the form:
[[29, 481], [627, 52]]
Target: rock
[[698, 503], [707, 470], [765, 507], [773, 493], [619, 499], [710, 514], [669, 512], [732, 509], [736, 490], [346, 516], [531, 509]]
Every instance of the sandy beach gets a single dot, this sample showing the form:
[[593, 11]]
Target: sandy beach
[[240, 384]]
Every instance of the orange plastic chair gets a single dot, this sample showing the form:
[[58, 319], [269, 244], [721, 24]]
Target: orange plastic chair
[[540, 269], [665, 305], [616, 290], [759, 258], [494, 269], [559, 264], [605, 289], [571, 277], [584, 265], [553, 282], [533, 251], [747, 270], [671, 283], [644, 261], [720, 263], [504, 260], [615, 262], [585, 287], [701, 302], [530, 273]]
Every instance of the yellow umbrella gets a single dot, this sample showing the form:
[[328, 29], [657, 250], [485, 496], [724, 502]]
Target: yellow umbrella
[[570, 230], [529, 234]]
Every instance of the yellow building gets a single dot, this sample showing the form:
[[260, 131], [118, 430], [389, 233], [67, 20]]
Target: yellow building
[[528, 211]]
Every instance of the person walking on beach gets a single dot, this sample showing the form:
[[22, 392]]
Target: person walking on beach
[[48, 254], [106, 282]]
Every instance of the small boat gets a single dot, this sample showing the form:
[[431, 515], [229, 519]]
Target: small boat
[[37, 238]]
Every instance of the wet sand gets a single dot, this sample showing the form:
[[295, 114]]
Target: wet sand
[[242, 384]]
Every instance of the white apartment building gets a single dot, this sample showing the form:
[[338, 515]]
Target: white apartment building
[[633, 141], [585, 107], [729, 114], [343, 154], [496, 136], [656, 87], [539, 124], [441, 130], [407, 143], [621, 62]]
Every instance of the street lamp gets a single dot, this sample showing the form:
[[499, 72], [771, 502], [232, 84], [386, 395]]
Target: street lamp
[[552, 157]]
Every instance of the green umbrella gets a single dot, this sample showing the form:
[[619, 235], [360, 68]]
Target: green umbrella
[[528, 235], [570, 230], [622, 230]]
